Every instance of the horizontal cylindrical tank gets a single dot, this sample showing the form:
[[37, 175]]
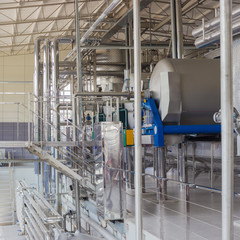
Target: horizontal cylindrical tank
[[186, 91]]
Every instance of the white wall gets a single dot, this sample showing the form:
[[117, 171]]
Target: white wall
[[16, 75]]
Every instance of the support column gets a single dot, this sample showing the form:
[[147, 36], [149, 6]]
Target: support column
[[79, 63], [79, 107], [227, 118], [138, 127]]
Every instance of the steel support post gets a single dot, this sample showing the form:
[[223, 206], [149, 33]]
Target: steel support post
[[227, 118], [138, 126]]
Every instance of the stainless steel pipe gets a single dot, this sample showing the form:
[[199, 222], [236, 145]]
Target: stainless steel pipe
[[79, 69], [112, 5], [46, 91], [105, 94], [55, 76], [36, 87], [179, 29], [138, 122], [174, 29], [214, 23], [214, 36], [227, 118]]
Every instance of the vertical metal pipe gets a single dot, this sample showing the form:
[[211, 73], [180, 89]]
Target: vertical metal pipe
[[18, 122], [95, 70], [79, 108], [29, 118], [79, 63], [74, 118], [212, 159], [46, 86], [174, 29], [57, 201], [181, 163], [127, 45], [137, 114], [55, 77], [194, 161], [78, 213], [36, 88], [179, 29], [227, 118], [162, 171], [117, 110], [143, 170]]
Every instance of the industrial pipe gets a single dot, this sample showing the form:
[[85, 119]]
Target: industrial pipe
[[214, 23], [79, 108], [79, 69], [105, 94], [227, 119], [214, 36], [179, 29], [101, 17], [46, 90], [36, 87], [137, 120], [95, 24], [55, 76], [174, 29], [99, 229]]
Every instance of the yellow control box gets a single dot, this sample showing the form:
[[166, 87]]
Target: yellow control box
[[129, 137]]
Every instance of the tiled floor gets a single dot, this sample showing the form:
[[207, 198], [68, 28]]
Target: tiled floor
[[178, 219], [10, 233]]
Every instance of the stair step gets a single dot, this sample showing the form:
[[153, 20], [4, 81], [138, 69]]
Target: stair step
[[6, 215], [5, 204], [6, 210]]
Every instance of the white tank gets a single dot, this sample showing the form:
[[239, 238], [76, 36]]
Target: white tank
[[186, 91]]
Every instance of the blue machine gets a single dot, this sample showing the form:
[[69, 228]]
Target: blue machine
[[153, 125]]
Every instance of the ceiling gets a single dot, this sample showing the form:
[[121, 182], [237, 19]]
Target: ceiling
[[22, 21]]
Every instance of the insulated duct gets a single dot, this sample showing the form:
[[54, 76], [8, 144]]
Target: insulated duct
[[95, 24], [209, 32]]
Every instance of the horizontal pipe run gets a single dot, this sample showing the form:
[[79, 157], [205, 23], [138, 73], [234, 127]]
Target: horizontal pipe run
[[96, 226], [105, 94], [214, 23], [191, 185], [192, 129], [99, 73], [214, 36]]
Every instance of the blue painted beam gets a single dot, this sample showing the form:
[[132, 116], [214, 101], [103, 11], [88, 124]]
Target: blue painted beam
[[192, 129]]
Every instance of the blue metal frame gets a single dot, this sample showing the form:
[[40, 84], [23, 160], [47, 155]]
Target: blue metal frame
[[159, 130]]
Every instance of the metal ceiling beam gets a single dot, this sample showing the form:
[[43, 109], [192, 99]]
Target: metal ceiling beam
[[46, 32], [42, 5], [36, 20], [188, 7], [161, 45], [124, 20]]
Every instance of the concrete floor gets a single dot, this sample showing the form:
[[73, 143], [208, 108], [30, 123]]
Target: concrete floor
[[10, 233]]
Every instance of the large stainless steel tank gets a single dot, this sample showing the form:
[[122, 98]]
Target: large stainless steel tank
[[186, 91], [110, 69]]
